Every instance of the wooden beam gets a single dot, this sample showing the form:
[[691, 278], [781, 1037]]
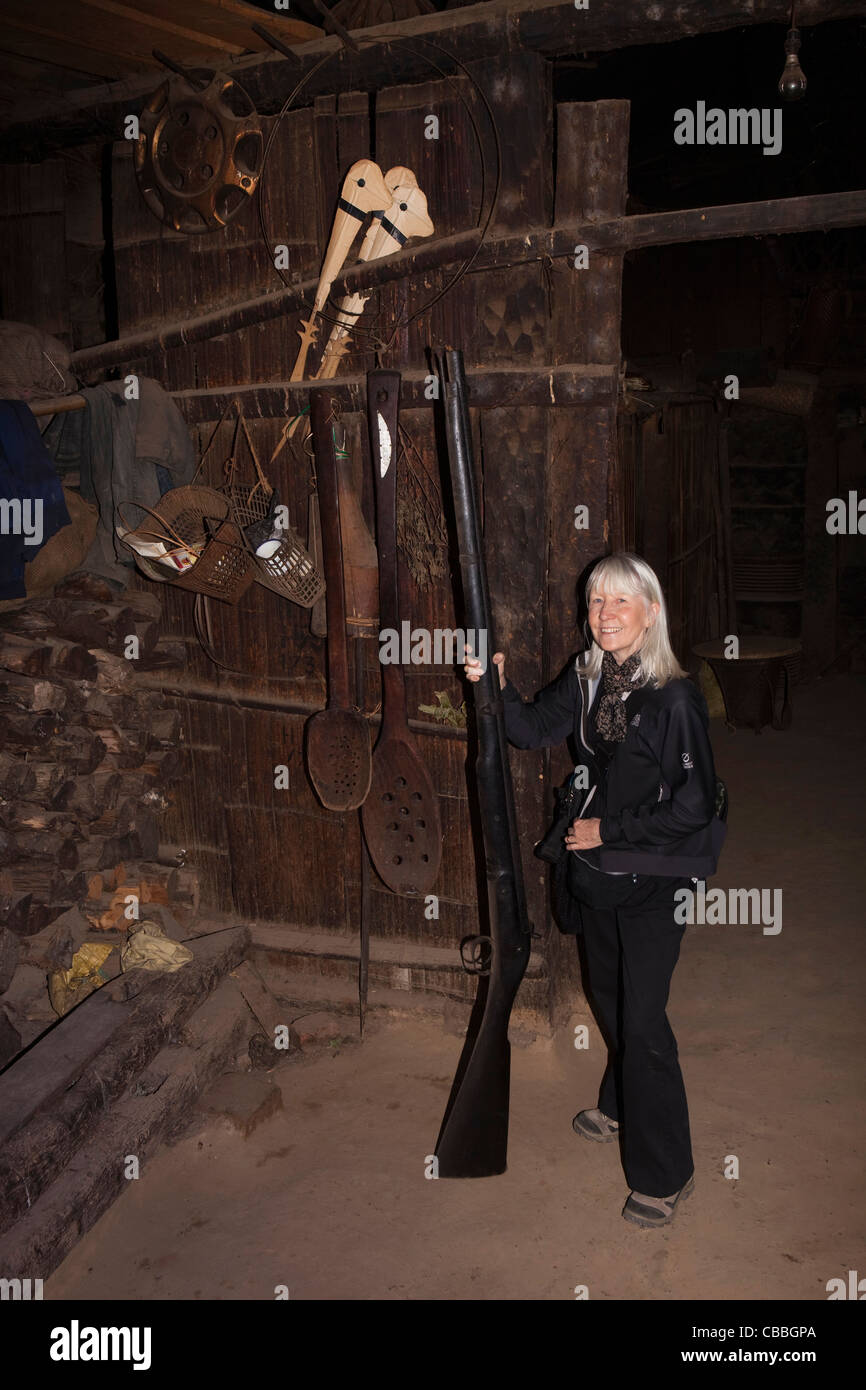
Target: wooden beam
[[476, 32], [777, 215], [57, 405], [142, 19], [567, 384], [61, 28], [184, 689], [33, 44]]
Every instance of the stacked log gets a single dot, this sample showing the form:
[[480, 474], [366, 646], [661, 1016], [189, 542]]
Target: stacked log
[[87, 765]]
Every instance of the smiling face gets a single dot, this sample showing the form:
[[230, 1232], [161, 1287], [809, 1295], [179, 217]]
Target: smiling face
[[619, 622]]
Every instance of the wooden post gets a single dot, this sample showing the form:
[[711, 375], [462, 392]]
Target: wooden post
[[591, 169], [592, 150], [822, 550]]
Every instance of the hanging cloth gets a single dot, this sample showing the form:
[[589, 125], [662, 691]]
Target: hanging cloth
[[32, 505]]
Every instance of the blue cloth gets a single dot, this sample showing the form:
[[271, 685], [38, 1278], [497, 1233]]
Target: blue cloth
[[32, 505]]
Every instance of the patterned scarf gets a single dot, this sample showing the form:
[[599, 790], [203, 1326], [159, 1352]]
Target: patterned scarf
[[610, 721]]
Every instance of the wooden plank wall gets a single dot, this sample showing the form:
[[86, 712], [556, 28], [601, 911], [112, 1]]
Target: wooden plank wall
[[33, 235], [51, 246], [276, 855], [670, 512]]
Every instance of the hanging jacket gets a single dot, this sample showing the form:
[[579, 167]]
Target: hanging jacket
[[32, 505], [655, 794]]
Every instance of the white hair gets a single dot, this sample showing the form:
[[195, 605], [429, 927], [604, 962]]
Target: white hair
[[625, 573]]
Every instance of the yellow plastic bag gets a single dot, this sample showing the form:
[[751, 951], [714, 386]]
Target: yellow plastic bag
[[66, 988]]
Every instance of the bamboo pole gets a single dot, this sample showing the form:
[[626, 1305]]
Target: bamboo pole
[[57, 405]]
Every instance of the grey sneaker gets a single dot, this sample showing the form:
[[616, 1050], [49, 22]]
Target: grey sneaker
[[655, 1211], [594, 1124]]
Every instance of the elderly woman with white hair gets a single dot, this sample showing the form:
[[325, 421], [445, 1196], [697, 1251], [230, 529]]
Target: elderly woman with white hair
[[644, 827]]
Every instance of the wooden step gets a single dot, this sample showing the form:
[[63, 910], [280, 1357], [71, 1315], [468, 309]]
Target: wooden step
[[322, 966], [51, 1097]]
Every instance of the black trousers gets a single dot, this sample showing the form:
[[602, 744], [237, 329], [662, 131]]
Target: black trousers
[[630, 952]]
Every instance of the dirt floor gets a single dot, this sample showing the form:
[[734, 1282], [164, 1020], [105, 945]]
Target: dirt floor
[[329, 1197]]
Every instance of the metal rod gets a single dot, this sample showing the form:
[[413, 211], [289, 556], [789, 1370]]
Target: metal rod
[[277, 44], [198, 82], [334, 25]]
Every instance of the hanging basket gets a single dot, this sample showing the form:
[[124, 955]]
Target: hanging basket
[[196, 520], [249, 502], [291, 571]]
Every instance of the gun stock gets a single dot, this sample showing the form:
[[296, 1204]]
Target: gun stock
[[473, 1140]]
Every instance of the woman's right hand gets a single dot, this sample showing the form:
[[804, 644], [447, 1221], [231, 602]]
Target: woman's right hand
[[473, 667]]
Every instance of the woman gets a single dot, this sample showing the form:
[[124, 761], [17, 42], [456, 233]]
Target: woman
[[646, 829]]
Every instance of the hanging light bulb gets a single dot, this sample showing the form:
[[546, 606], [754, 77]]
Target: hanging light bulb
[[792, 83]]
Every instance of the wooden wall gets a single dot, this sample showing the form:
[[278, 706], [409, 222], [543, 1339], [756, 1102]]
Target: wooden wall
[[275, 856], [670, 499], [51, 246]]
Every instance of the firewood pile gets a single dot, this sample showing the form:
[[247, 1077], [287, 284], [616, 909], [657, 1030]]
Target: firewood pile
[[87, 763]]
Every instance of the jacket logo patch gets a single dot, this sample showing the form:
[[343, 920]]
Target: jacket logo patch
[[687, 760]]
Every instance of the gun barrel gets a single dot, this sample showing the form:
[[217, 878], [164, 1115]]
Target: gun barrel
[[473, 1140]]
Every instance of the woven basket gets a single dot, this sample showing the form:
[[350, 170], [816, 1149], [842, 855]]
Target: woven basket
[[291, 572], [190, 515]]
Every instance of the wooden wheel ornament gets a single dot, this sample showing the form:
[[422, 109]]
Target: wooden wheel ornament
[[199, 154]]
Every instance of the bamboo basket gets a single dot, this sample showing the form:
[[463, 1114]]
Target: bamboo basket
[[190, 516], [291, 571]]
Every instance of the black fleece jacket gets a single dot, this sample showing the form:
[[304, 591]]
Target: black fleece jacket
[[655, 796]]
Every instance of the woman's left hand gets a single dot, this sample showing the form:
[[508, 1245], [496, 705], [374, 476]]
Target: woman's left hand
[[584, 834]]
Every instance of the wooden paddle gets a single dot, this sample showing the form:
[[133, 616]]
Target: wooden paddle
[[360, 562], [405, 217], [363, 191], [401, 814], [337, 738]]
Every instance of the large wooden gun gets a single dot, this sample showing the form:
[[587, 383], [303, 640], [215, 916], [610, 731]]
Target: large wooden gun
[[473, 1141]]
